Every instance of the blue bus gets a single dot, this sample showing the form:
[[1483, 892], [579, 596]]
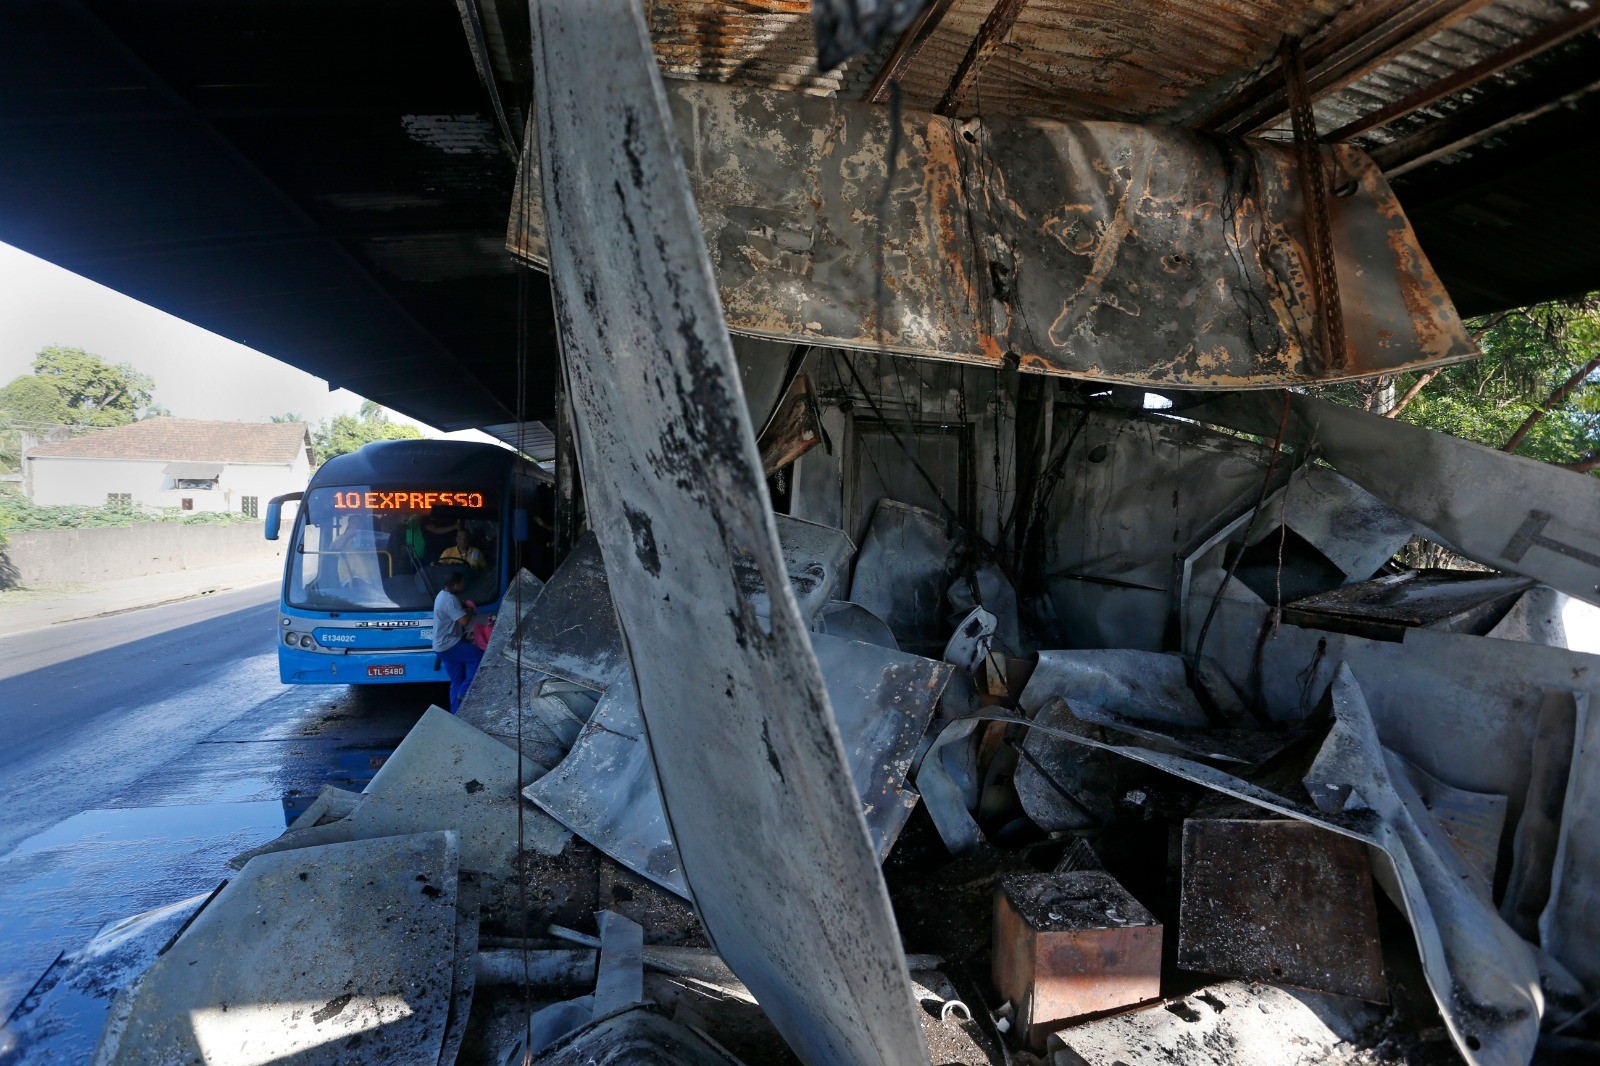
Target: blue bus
[[377, 531]]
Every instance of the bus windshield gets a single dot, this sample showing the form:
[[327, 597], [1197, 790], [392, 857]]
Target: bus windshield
[[390, 548]]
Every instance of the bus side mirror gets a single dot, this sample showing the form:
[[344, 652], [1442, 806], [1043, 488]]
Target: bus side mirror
[[275, 512], [519, 524]]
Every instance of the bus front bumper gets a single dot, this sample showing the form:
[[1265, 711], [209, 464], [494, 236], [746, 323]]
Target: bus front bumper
[[297, 667]]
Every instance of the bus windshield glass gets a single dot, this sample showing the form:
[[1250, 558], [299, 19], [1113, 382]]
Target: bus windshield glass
[[390, 547]]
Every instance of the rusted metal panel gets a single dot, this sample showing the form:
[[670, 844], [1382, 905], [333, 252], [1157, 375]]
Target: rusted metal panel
[[753, 777], [1280, 901], [1110, 252]]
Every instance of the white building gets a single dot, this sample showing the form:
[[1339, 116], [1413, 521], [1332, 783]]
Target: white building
[[186, 463]]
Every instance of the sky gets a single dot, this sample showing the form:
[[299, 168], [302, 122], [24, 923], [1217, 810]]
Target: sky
[[198, 374]]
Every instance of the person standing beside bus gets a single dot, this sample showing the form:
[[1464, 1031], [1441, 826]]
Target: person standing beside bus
[[452, 620]]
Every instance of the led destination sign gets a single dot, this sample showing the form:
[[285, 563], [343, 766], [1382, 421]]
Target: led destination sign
[[402, 500]]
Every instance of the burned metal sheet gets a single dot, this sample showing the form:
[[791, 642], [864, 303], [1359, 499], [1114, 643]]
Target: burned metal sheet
[[605, 790], [1280, 901], [947, 781], [903, 571], [1354, 529], [1482, 975], [1061, 786], [851, 621], [1538, 832], [1384, 608], [988, 587], [1076, 249], [1472, 821], [349, 956], [739, 724], [1141, 685], [1569, 928], [637, 1037], [491, 702], [572, 633], [60, 1018], [1456, 489], [447, 775]]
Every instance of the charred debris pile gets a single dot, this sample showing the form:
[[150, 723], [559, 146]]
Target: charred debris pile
[[1196, 772]]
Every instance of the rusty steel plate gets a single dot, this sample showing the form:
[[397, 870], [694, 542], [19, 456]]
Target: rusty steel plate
[[1106, 251], [1280, 901]]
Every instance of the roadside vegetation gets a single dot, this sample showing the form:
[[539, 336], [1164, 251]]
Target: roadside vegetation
[[18, 514]]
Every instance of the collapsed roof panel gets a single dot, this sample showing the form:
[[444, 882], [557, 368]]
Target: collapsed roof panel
[[1100, 251]]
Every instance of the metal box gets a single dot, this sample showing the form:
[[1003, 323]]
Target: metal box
[[1071, 944]]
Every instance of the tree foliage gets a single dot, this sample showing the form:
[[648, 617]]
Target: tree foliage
[[1540, 373], [345, 433], [71, 386]]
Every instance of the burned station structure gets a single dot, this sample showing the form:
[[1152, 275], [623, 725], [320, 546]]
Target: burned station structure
[[974, 638]]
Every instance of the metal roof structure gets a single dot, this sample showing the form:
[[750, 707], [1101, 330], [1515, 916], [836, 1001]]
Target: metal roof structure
[[330, 183]]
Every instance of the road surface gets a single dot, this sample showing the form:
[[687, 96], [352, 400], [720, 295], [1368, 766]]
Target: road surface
[[142, 750]]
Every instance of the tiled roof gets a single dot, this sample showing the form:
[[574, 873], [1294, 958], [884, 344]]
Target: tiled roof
[[192, 439]]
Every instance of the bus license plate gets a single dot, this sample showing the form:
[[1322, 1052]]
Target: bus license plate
[[387, 670]]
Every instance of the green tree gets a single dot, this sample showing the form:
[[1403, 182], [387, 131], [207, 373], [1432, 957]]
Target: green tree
[[76, 387], [33, 399], [288, 416], [1535, 392], [346, 433]]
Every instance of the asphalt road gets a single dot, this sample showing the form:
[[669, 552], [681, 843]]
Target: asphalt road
[[140, 751]]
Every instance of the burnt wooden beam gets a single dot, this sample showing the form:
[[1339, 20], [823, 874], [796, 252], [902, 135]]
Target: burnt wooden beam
[[991, 35], [907, 49], [1555, 33], [1343, 54]]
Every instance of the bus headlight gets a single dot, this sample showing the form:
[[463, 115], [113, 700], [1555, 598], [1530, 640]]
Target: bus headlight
[[288, 638], [305, 640]]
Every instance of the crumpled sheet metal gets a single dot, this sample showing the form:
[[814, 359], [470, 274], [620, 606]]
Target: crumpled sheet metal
[[1508, 512], [61, 1017], [572, 633], [638, 1036], [1354, 529], [606, 792], [1108, 251], [1569, 928], [851, 621], [1145, 685], [353, 954], [753, 776], [491, 702], [1484, 977], [445, 775], [903, 571]]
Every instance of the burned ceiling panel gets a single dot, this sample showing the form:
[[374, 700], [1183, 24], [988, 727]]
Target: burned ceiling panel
[[1104, 251]]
